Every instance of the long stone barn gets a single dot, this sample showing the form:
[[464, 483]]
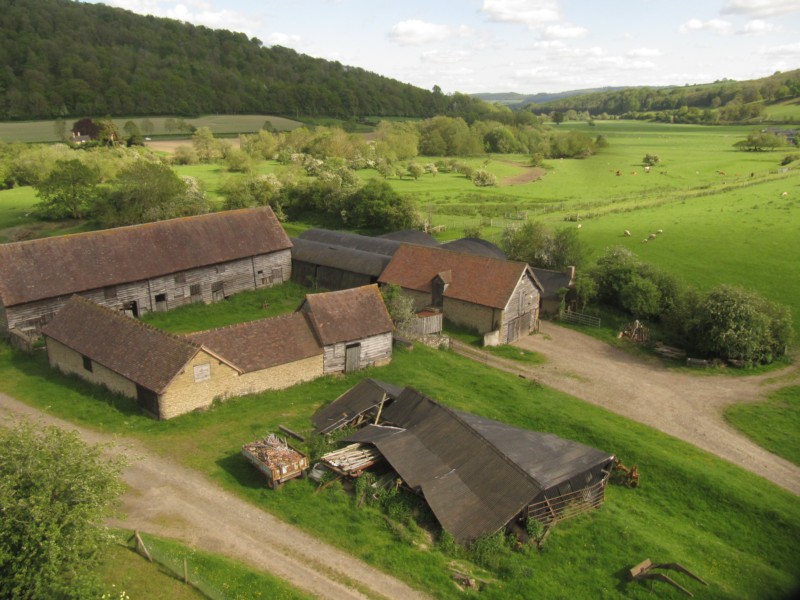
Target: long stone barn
[[143, 268], [169, 375]]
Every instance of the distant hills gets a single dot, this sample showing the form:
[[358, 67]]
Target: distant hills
[[60, 58], [515, 100]]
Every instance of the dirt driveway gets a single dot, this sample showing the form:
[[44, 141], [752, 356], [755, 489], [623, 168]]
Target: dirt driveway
[[686, 406], [168, 500]]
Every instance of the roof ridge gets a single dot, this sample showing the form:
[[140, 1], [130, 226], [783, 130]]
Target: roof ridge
[[466, 254], [240, 325]]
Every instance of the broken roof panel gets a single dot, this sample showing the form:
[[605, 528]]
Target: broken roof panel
[[367, 395], [63, 265]]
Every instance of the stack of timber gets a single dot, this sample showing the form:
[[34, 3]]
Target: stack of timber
[[351, 460], [635, 332], [276, 459]]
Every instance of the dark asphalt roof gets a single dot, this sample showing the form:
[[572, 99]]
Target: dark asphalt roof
[[339, 257], [476, 246], [351, 240], [412, 236]]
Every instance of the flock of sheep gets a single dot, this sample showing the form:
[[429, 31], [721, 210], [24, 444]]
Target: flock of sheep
[[652, 236]]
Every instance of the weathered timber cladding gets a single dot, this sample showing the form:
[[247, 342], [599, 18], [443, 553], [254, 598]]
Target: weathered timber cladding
[[521, 313], [235, 276], [375, 350]]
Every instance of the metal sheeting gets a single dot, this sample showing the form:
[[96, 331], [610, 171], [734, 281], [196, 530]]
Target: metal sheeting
[[476, 246], [365, 396], [352, 240], [339, 257], [476, 474]]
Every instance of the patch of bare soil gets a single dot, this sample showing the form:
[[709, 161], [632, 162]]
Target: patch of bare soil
[[168, 500], [528, 175], [686, 406], [168, 146]]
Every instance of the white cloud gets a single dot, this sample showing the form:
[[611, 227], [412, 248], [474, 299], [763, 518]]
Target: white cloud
[[283, 39], [444, 58], [715, 25], [197, 12], [414, 31], [556, 32], [760, 8], [643, 52], [758, 27], [533, 13], [785, 51]]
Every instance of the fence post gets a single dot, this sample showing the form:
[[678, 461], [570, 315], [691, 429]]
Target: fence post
[[185, 571]]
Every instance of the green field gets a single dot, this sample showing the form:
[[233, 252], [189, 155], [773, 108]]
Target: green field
[[691, 508], [220, 125]]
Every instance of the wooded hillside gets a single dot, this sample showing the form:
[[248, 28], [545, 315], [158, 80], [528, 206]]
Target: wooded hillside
[[60, 58]]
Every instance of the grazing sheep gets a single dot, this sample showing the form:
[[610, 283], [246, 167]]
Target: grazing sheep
[[660, 231], [647, 169], [627, 233], [644, 241], [580, 225], [783, 195], [652, 236]]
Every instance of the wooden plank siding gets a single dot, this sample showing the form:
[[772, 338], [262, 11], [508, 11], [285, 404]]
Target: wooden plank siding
[[375, 350], [521, 313], [164, 292]]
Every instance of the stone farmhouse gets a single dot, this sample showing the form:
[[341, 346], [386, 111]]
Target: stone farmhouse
[[490, 295], [143, 268], [169, 375]]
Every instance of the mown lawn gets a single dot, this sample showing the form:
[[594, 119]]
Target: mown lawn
[[691, 508], [773, 424]]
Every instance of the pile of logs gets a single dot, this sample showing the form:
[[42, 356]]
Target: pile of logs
[[669, 351], [351, 460], [635, 332], [273, 451], [629, 477]]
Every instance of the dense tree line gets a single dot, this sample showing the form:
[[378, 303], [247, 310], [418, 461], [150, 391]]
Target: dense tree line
[[67, 58], [722, 101]]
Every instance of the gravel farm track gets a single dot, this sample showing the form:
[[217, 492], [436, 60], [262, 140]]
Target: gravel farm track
[[166, 499]]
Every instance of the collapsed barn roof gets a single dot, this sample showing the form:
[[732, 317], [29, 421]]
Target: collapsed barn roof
[[364, 398], [475, 474]]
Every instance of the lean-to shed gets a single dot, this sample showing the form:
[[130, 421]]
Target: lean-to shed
[[331, 267]]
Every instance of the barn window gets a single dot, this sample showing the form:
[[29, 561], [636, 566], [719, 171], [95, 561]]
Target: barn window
[[110, 292], [180, 278], [220, 268], [202, 372], [87, 364]]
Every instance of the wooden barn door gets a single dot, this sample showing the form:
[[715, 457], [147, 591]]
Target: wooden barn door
[[512, 330], [352, 358]]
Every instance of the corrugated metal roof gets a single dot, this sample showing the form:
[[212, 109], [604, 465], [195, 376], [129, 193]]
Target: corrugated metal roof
[[262, 344], [138, 352], [59, 266], [476, 246], [476, 279], [364, 243], [365, 396], [339, 257], [476, 474], [412, 236], [348, 315]]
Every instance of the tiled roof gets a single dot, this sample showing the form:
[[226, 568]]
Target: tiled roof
[[476, 279], [347, 315], [138, 352], [59, 266], [263, 343]]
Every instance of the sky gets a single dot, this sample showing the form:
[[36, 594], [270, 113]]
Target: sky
[[523, 46]]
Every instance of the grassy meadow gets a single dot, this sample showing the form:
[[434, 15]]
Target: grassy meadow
[[691, 507]]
